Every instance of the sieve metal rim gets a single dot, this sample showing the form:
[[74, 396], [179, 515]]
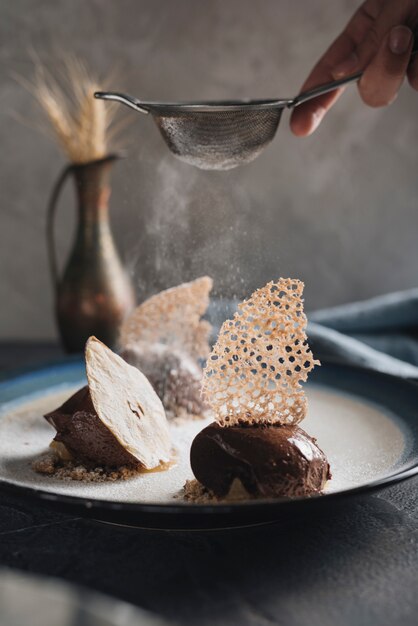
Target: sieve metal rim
[[219, 106], [214, 106]]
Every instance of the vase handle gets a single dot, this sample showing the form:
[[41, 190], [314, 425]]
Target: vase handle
[[50, 219]]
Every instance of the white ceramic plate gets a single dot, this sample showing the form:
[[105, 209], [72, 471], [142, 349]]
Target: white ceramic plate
[[364, 422]]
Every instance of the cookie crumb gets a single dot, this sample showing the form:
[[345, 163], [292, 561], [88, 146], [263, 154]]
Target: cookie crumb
[[52, 465], [194, 491]]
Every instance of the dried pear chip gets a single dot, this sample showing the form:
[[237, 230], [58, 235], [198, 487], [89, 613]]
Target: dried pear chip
[[127, 405]]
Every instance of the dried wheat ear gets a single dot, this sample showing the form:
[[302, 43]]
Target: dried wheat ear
[[254, 373], [85, 128]]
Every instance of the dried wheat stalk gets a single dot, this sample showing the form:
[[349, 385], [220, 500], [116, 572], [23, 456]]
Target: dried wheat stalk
[[83, 126]]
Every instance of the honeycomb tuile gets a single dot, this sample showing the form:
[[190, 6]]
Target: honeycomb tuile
[[172, 317], [255, 370]]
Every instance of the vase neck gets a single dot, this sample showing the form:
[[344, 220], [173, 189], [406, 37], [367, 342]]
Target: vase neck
[[93, 189]]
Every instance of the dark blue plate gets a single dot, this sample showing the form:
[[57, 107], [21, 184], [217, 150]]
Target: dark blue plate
[[392, 395]]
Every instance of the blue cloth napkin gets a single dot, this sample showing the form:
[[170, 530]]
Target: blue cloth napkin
[[380, 333]]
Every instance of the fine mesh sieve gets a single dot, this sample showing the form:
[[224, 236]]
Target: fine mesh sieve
[[218, 140], [221, 135], [216, 135]]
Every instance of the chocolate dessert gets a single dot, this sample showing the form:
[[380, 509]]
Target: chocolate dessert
[[167, 340], [116, 421], [269, 461], [252, 383], [175, 376], [84, 436]]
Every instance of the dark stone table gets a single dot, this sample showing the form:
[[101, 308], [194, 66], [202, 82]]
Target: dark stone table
[[353, 564]]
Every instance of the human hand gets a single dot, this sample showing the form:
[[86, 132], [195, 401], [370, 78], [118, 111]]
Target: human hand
[[378, 40]]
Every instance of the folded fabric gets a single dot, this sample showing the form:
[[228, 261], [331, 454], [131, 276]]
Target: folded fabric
[[380, 333], [396, 311]]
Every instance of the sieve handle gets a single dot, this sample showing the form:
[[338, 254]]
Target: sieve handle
[[129, 101], [322, 89], [335, 84]]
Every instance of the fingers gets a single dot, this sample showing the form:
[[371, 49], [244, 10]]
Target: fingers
[[378, 39], [341, 54], [306, 118], [384, 51], [393, 13], [385, 73]]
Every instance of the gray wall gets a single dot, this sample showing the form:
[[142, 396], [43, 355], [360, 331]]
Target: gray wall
[[338, 210]]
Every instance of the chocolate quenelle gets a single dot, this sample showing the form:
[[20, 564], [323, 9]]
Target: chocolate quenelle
[[268, 460]]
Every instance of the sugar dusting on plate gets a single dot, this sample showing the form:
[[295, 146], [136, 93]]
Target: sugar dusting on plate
[[362, 443]]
